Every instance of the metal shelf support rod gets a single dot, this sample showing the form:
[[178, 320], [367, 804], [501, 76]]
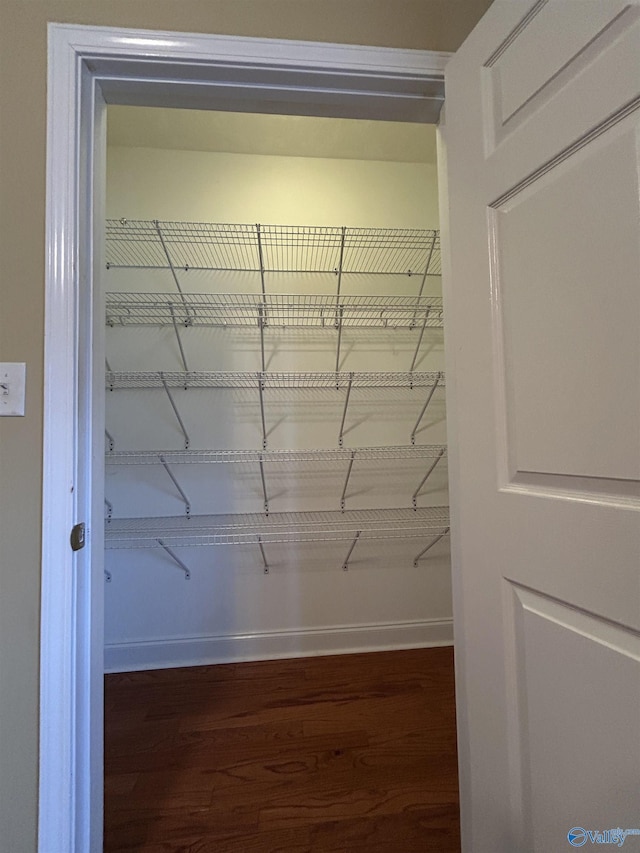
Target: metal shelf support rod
[[424, 409], [424, 275], [260, 256], [110, 440], [264, 556], [176, 559], [172, 268], [187, 503], [414, 497], [343, 233], [424, 325], [344, 413], [346, 482], [345, 565], [264, 425], [430, 545], [261, 316], [176, 330], [339, 327], [264, 487], [426, 269], [176, 412]]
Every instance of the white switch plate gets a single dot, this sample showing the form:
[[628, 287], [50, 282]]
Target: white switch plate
[[12, 387]]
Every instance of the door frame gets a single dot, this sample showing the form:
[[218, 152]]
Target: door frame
[[87, 68]]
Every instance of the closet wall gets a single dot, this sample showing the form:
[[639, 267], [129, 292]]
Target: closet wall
[[230, 608]]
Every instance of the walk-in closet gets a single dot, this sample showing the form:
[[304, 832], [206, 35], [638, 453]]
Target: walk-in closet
[[276, 461]]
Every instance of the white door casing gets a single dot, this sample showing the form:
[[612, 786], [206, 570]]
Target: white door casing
[[542, 304], [88, 66]]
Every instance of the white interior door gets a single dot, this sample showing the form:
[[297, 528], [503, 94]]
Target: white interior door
[[542, 299]]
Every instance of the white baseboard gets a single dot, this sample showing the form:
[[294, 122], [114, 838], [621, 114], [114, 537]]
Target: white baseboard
[[336, 640]]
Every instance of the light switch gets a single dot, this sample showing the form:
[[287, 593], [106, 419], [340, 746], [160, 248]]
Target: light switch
[[12, 387]]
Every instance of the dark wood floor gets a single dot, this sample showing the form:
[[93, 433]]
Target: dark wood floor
[[331, 754]]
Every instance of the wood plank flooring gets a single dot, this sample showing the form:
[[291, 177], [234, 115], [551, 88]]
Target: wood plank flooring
[[311, 755]]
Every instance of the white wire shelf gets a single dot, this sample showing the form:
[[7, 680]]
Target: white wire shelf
[[178, 457], [326, 526], [275, 310], [152, 244], [257, 379]]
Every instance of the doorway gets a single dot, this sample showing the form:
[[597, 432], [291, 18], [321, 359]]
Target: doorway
[[123, 67]]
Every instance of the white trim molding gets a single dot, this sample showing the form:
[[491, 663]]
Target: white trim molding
[[271, 645], [87, 64]]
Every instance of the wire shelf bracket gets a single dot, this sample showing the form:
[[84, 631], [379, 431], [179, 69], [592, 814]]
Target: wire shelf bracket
[[433, 542], [340, 263], [177, 331], [171, 266], [415, 355], [346, 482], [424, 408], [261, 257], [261, 323], [264, 486], [345, 565], [340, 312], [428, 264], [262, 416], [176, 559], [414, 496], [187, 502], [264, 556], [175, 410], [344, 412]]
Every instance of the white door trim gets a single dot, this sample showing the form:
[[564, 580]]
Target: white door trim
[[152, 68]]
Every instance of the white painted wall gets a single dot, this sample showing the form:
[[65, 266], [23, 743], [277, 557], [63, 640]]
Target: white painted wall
[[148, 183], [307, 604]]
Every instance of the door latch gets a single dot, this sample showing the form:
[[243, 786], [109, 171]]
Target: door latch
[[78, 536]]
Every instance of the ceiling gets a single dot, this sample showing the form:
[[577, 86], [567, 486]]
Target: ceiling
[[281, 135]]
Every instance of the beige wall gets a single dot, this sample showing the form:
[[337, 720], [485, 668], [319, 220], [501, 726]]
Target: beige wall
[[428, 24]]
